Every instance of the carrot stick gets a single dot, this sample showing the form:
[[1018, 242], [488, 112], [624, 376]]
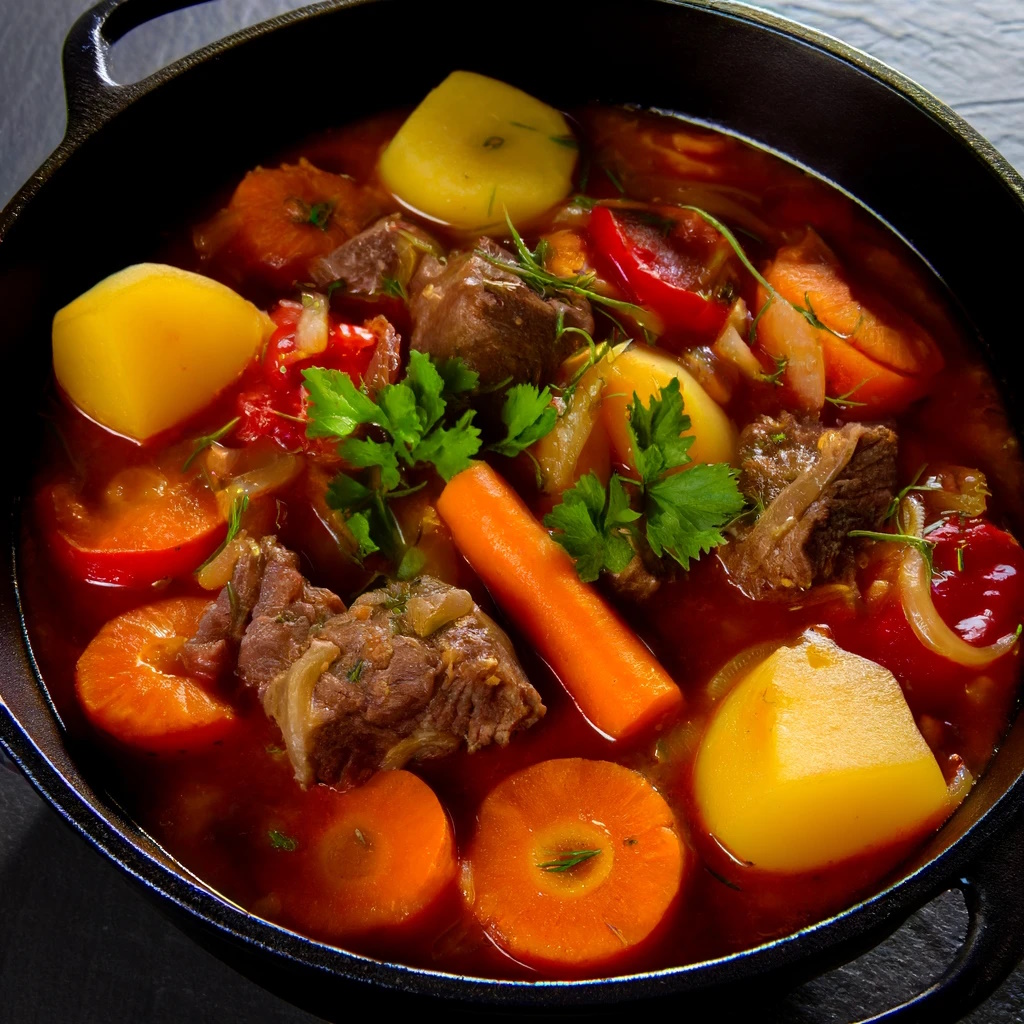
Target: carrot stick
[[613, 678], [378, 860], [574, 864], [129, 686]]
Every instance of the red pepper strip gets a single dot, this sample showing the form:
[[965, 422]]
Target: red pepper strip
[[163, 535], [977, 588], [656, 274]]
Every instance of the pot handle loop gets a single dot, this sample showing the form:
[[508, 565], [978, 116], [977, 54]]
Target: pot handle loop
[[993, 889], [93, 97]]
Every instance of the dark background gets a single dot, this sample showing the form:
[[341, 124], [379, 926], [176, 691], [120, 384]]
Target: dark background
[[78, 944]]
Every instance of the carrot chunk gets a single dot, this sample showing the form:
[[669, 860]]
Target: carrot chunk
[[613, 678], [574, 864], [280, 219], [379, 859], [874, 355], [129, 684]]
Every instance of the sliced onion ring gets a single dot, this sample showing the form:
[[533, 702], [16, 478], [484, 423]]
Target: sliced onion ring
[[928, 625]]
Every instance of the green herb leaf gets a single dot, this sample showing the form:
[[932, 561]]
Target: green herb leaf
[[528, 416], [925, 547], [239, 503], [279, 841], [683, 512], [568, 860], [686, 511], [207, 440], [451, 450], [659, 432], [593, 523], [458, 378], [336, 405]]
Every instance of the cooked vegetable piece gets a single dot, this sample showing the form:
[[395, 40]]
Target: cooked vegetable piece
[[645, 372], [379, 860], [973, 602], [670, 265], [815, 758], [574, 864], [476, 149], [148, 524], [610, 674], [875, 357], [130, 684], [281, 220], [150, 345]]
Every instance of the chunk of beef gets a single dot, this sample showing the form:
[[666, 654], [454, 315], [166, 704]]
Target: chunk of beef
[[265, 572], [816, 484], [472, 308], [368, 264], [410, 671]]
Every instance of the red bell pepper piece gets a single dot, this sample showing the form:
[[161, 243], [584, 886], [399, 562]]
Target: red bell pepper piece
[[657, 274], [977, 588]]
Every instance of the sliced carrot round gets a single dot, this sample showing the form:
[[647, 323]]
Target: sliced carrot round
[[129, 684], [574, 864], [380, 859]]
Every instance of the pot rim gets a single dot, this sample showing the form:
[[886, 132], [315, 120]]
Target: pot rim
[[101, 823]]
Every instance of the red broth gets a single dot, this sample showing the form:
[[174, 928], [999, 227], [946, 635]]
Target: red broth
[[232, 812]]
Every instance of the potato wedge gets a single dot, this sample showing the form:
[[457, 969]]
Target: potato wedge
[[152, 344], [476, 149], [814, 758], [646, 372]]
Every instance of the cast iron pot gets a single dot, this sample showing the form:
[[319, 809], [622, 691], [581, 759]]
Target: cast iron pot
[[138, 159]]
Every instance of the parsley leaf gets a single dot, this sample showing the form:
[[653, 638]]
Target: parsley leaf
[[594, 523], [683, 513], [528, 416]]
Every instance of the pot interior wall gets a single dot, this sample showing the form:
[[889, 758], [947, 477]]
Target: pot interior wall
[[149, 170]]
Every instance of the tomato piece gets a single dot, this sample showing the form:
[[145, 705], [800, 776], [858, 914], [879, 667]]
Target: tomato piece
[[148, 524], [274, 406], [129, 683], [977, 588], [668, 278]]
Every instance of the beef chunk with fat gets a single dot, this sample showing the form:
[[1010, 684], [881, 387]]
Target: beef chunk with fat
[[376, 260], [265, 574], [473, 308], [410, 671], [815, 484]]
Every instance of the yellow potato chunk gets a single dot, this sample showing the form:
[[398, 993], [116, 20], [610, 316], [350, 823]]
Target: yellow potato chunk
[[646, 372], [476, 148], [813, 758], [150, 345]]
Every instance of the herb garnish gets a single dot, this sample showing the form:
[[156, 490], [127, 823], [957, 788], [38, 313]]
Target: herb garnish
[[239, 504], [530, 267], [568, 860], [208, 440], [394, 288], [413, 425], [279, 841], [925, 547], [683, 513]]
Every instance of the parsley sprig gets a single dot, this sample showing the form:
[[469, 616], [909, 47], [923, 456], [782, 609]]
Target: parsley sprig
[[419, 423], [683, 513]]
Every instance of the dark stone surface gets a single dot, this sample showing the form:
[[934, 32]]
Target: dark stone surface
[[78, 943]]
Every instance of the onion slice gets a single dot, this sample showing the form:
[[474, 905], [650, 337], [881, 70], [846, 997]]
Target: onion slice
[[930, 628]]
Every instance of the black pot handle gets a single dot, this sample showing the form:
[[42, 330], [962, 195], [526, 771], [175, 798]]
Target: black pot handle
[[93, 97], [993, 889]]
